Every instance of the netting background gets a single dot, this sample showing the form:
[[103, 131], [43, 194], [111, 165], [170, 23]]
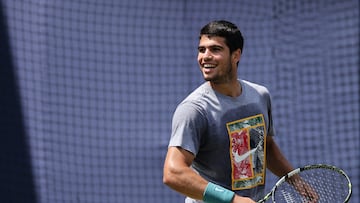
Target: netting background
[[88, 89]]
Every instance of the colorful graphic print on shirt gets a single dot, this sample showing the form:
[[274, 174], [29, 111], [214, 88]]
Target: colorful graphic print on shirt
[[247, 151]]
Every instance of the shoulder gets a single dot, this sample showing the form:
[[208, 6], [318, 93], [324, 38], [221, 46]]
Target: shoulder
[[195, 102], [199, 96], [251, 86]]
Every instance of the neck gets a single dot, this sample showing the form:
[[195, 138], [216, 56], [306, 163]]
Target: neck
[[231, 89]]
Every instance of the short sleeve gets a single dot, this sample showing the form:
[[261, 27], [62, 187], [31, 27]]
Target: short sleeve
[[188, 125]]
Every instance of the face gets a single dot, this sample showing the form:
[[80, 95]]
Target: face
[[216, 63]]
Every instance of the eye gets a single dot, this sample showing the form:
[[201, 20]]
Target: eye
[[216, 49], [201, 49]]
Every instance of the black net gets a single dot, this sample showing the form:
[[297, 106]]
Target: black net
[[90, 86]]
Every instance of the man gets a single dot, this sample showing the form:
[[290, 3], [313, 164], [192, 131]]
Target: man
[[222, 133]]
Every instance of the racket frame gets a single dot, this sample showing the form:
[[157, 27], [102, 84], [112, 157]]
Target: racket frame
[[304, 168]]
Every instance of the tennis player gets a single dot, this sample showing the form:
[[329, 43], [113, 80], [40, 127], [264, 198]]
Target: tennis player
[[222, 133]]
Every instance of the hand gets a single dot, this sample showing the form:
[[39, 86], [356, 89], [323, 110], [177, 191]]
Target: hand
[[305, 189], [239, 199]]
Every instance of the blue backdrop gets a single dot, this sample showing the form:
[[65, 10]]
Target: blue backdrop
[[88, 89]]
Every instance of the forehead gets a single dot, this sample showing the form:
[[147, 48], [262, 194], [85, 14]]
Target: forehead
[[206, 41]]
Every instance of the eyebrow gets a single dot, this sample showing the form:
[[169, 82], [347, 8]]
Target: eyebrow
[[211, 46]]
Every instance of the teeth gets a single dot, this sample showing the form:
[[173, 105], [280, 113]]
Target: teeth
[[209, 66]]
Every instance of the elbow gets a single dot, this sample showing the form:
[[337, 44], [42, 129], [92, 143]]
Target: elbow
[[166, 180], [169, 177]]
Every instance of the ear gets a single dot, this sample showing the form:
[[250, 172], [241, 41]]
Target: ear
[[236, 55]]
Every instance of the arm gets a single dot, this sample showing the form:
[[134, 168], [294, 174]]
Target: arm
[[275, 160], [179, 176]]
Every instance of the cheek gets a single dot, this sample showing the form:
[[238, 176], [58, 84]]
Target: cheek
[[199, 58]]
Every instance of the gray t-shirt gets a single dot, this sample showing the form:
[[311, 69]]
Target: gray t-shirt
[[226, 135]]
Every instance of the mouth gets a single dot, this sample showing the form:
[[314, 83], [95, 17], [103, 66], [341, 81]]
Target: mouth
[[208, 66]]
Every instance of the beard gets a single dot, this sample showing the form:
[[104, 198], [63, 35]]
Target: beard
[[222, 77]]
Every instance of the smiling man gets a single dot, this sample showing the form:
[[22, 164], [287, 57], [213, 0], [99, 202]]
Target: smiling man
[[222, 133]]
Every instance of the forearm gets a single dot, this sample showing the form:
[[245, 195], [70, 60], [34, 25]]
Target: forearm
[[179, 176], [185, 181], [276, 161]]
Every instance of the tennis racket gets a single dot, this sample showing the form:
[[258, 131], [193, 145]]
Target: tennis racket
[[312, 184]]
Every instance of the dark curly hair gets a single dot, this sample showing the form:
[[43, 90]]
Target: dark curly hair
[[222, 28]]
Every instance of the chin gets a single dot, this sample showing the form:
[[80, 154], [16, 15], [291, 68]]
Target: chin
[[208, 78]]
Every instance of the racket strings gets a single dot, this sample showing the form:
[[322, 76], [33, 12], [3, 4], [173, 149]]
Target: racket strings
[[316, 185]]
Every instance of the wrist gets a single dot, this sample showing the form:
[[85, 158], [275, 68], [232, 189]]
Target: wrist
[[217, 194]]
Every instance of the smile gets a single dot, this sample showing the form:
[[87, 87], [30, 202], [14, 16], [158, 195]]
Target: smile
[[209, 65]]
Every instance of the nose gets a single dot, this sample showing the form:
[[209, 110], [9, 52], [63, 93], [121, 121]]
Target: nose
[[207, 55]]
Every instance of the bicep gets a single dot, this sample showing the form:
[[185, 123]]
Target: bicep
[[178, 157]]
